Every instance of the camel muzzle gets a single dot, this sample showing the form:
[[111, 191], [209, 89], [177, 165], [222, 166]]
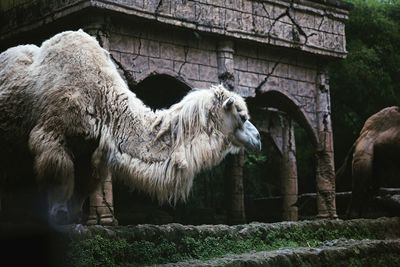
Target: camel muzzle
[[249, 136]]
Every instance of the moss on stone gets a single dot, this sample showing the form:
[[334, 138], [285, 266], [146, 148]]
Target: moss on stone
[[100, 250]]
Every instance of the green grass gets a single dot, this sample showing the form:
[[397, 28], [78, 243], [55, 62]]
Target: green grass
[[103, 251]]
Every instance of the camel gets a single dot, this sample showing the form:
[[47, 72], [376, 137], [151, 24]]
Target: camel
[[67, 114], [373, 161]]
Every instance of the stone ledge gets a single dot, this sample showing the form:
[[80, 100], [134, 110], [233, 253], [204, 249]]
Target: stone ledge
[[333, 253], [174, 231]]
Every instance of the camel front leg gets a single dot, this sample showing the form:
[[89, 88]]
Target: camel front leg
[[55, 172], [362, 170], [101, 206]]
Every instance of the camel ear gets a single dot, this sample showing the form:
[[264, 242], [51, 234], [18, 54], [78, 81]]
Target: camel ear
[[228, 103]]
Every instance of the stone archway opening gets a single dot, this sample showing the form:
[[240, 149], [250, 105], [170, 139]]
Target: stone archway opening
[[287, 128], [160, 91]]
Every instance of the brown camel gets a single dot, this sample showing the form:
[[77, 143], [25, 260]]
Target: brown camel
[[373, 161]]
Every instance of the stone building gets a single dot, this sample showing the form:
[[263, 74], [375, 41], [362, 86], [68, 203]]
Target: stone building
[[273, 52]]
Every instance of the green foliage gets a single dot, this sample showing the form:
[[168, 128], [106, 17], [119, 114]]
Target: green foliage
[[101, 251], [369, 79], [97, 251]]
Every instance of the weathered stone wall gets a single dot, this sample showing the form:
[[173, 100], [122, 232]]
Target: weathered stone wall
[[307, 25], [143, 52], [193, 58]]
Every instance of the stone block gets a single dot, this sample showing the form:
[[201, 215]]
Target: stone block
[[213, 60], [247, 22], [306, 89], [153, 48], [327, 25], [305, 20], [201, 84], [258, 66], [248, 79], [310, 75], [184, 10], [273, 83], [246, 6], [294, 72], [189, 70], [233, 19], [132, 3], [240, 63], [245, 91], [316, 40], [282, 70], [116, 55], [134, 62], [278, 11], [159, 63], [123, 43], [157, 6], [171, 51], [198, 56], [209, 74]]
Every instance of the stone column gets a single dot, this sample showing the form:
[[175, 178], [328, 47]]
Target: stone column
[[325, 173], [280, 127], [226, 73], [101, 206], [289, 187], [234, 166], [235, 193]]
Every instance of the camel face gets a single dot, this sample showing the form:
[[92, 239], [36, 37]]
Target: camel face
[[237, 125]]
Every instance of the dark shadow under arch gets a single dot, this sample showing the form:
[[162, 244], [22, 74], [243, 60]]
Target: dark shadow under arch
[[160, 91]]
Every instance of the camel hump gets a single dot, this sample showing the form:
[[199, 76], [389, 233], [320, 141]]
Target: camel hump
[[18, 55], [381, 121], [71, 40], [16, 65]]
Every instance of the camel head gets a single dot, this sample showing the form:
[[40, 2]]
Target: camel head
[[236, 123]]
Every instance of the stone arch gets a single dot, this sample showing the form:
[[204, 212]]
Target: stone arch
[[278, 124], [161, 88], [288, 104]]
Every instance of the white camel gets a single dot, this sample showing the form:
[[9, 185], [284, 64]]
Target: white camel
[[66, 113]]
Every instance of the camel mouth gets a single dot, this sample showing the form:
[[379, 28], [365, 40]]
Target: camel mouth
[[249, 137]]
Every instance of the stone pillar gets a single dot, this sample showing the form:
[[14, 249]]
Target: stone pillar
[[234, 166], [101, 206], [280, 128], [235, 193], [289, 187], [325, 173], [225, 63]]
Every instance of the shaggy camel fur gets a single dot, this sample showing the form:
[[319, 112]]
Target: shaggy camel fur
[[373, 160], [66, 107]]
